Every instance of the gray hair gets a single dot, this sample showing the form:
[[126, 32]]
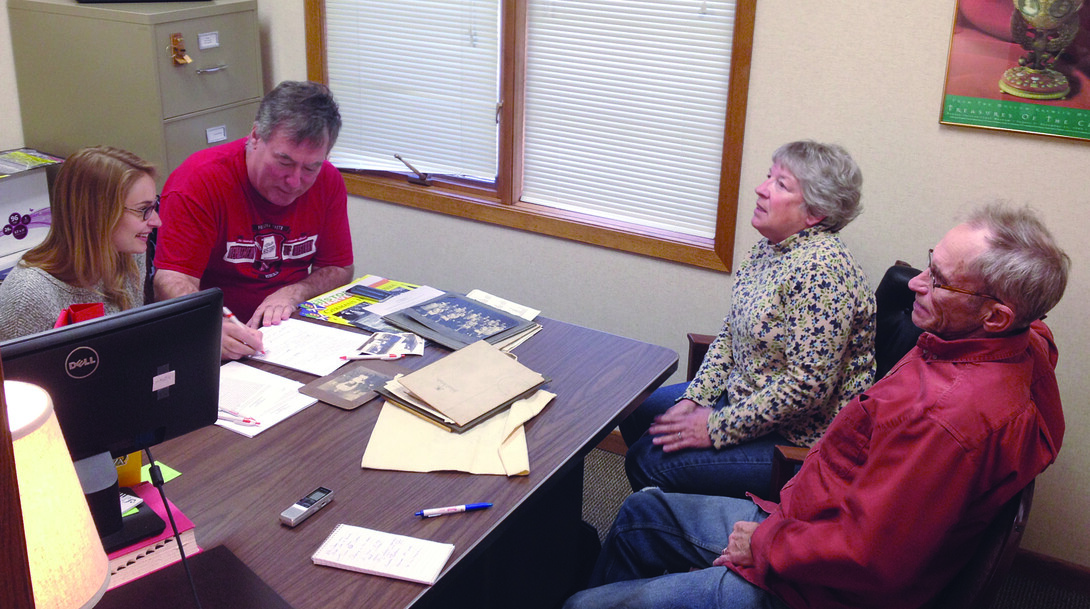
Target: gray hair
[[831, 182], [1023, 266], [305, 110]]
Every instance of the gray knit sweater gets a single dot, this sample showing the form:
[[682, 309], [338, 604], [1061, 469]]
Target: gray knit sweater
[[31, 299]]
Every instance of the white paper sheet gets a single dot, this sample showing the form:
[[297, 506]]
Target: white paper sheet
[[308, 346], [263, 396], [505, 305], [405, 299]]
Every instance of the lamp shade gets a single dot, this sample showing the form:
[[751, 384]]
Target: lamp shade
[[68, 567]]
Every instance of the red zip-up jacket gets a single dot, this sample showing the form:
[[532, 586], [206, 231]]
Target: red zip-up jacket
[[890, 504]]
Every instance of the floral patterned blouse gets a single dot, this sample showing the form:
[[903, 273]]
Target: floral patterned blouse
[[797, 344]]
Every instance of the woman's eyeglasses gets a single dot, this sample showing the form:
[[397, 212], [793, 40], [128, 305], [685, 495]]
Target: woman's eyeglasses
[[146, 211]]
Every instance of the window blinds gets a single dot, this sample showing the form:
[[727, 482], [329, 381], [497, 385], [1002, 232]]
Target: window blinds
[[625, 99], [626, 107], [418, 78]]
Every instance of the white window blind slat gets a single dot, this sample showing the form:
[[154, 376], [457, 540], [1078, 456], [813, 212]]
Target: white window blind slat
[[418, 78], [627, 101]]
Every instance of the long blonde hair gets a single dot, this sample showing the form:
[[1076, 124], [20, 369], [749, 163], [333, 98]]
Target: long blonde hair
[[87, 203]]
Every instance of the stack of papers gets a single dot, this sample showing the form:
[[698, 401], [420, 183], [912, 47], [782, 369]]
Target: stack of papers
[[252, 400], [451, 320], [464, 388], [403, 441], [381, 553], [307, 346]]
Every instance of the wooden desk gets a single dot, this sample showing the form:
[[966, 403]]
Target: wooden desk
[[234, 488]]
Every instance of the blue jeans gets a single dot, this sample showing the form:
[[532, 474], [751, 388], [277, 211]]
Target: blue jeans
[[655, 541], [730, 472]]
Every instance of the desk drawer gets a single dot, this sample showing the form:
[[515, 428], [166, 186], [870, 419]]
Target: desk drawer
[[226, 66]]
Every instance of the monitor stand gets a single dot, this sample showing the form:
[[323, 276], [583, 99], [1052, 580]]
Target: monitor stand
[[142, 524], [98, 476]]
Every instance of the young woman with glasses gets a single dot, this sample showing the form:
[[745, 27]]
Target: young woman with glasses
[[104, 208]]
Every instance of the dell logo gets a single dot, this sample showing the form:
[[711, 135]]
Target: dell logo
[[81, 362]]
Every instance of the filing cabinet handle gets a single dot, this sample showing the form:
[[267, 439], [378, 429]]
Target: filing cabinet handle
[[210, 70]]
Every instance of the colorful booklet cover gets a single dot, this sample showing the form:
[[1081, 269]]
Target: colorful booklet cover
[[342, 306]]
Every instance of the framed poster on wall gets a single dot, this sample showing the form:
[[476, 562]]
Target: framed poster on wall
[[1020, 65]]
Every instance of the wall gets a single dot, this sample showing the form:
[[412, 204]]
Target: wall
[[868, 79]]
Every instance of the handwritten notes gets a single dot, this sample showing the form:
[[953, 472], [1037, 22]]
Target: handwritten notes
[[386, 554], [308, 346]]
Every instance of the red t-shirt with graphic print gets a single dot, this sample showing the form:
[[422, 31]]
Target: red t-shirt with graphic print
[[217, 227]]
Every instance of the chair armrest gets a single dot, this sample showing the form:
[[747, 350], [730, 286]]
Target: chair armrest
[[698, 348], [785, 462]]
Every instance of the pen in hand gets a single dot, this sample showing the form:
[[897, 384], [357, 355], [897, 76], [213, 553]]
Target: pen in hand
[[229, 316], [453, 509]]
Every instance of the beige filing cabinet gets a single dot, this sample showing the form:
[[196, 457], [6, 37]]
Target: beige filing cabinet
[[109, 74]]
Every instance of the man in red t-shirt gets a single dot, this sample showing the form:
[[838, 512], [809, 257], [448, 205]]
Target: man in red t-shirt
[[263, 218]]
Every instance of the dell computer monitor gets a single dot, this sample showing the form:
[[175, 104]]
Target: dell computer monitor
[[127, 381]]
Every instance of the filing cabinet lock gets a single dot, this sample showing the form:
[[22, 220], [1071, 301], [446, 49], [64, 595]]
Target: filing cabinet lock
[[177, 50]]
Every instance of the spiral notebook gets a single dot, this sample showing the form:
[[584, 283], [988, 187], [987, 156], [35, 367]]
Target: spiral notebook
[[386, 554]]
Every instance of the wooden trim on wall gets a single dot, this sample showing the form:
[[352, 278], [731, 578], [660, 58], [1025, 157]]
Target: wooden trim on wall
[[314, 26], [542, 220], [734, 130]]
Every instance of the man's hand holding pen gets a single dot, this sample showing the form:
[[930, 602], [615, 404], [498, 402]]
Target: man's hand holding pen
[[239, 340]]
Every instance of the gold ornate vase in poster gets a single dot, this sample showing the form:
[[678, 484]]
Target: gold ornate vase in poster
[[1020, 65]]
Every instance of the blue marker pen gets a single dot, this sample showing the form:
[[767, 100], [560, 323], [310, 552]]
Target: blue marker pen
[[453, 509]]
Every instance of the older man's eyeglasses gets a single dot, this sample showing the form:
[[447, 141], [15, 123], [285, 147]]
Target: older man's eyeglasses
[[942, 286], [146, 211]]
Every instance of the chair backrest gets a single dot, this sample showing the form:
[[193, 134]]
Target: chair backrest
[[895, 334], [978, 583]]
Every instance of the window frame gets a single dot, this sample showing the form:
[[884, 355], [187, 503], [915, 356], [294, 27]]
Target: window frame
[[498, 204]]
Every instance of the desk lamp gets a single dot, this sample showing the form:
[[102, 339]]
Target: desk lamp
[[68, 568]]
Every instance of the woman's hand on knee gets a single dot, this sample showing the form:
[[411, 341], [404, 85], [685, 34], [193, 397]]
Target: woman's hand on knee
[[685, 425]]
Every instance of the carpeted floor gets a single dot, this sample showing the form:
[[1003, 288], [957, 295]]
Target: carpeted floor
[[605, 487]]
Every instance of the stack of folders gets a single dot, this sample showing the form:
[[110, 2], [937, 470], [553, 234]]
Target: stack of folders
[[464, 388], [454, 321]]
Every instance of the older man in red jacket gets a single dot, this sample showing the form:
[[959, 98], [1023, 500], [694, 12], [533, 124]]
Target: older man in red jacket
[[907, 476]]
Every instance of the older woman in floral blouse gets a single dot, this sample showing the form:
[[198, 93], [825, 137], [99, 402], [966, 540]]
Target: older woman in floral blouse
[[797, 344]]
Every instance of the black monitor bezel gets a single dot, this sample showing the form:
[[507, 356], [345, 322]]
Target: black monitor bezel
[[203, 309]]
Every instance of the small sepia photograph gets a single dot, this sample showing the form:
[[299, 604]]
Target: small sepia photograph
[[397, 343], [349, 387]]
